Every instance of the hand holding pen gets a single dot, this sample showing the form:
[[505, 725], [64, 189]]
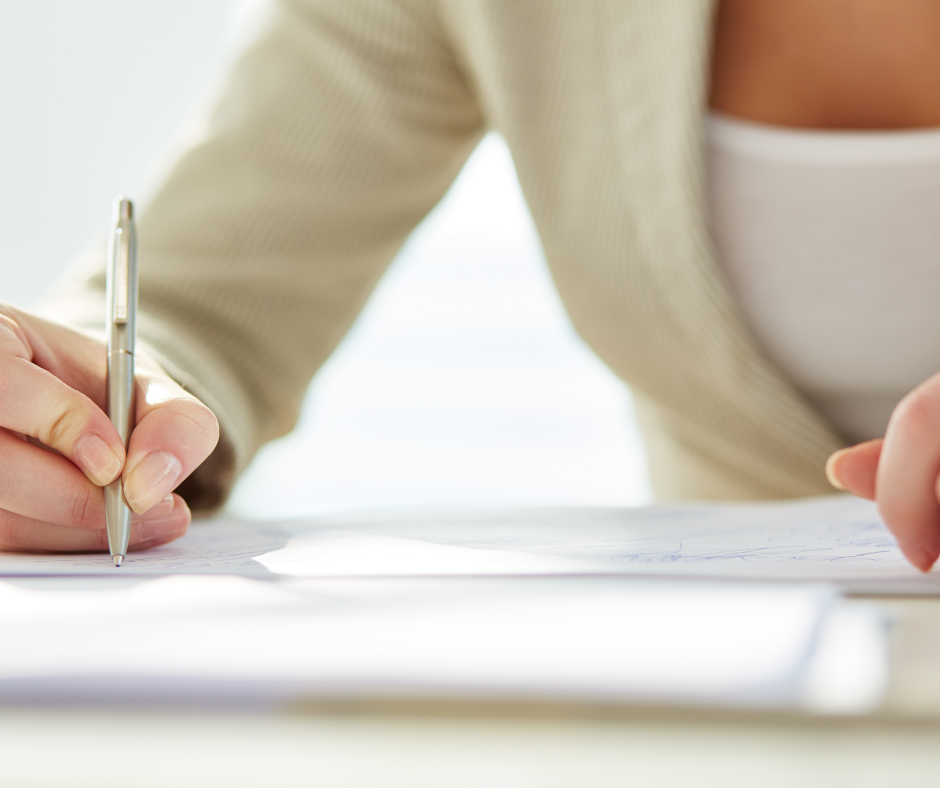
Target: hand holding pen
[[53, 394]]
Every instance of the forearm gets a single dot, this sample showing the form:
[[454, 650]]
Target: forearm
[[340, 127]]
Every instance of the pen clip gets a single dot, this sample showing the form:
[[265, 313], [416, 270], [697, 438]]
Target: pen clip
[[122, 260], [121, 275]]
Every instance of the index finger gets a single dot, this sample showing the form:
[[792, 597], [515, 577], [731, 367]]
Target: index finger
[[35, 402]]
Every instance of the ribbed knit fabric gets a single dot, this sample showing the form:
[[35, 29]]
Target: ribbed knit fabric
[[343, 122]]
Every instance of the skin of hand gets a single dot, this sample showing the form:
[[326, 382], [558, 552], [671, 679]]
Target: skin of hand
[[58, 448], [901, 473]]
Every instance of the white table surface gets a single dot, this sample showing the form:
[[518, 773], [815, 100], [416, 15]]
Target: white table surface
[[76, 748]]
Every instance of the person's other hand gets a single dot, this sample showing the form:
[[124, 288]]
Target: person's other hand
[[901, 473], [52, 396]]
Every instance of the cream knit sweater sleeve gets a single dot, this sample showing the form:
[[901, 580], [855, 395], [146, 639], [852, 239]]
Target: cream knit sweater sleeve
[[339, 126]]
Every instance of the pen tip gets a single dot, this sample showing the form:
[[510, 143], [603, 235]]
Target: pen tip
[[117, 559]]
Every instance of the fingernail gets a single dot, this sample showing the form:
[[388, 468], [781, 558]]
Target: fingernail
[[158, 510], [174, 521], [151, 479], [830, 469], [98, 461]]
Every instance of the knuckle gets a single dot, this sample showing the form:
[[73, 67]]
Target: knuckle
[[54, 432], [62, 423], [83, 508]]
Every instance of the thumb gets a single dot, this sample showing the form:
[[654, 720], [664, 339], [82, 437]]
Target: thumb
[[854, 469]]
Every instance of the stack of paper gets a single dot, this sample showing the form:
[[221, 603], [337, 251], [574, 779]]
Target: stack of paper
[[595, 605], [835, 539], [594, 640]]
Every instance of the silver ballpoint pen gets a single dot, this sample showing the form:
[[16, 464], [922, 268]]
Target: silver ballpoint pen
[[122, 329]]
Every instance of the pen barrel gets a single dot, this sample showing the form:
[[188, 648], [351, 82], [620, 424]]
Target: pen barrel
[[120, 407], [122, 329], [119, 394]]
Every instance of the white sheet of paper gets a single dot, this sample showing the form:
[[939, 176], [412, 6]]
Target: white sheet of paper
[[231, 639], [834, 539]]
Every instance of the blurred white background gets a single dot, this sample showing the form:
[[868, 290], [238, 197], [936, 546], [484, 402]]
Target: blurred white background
[[462, 382]]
